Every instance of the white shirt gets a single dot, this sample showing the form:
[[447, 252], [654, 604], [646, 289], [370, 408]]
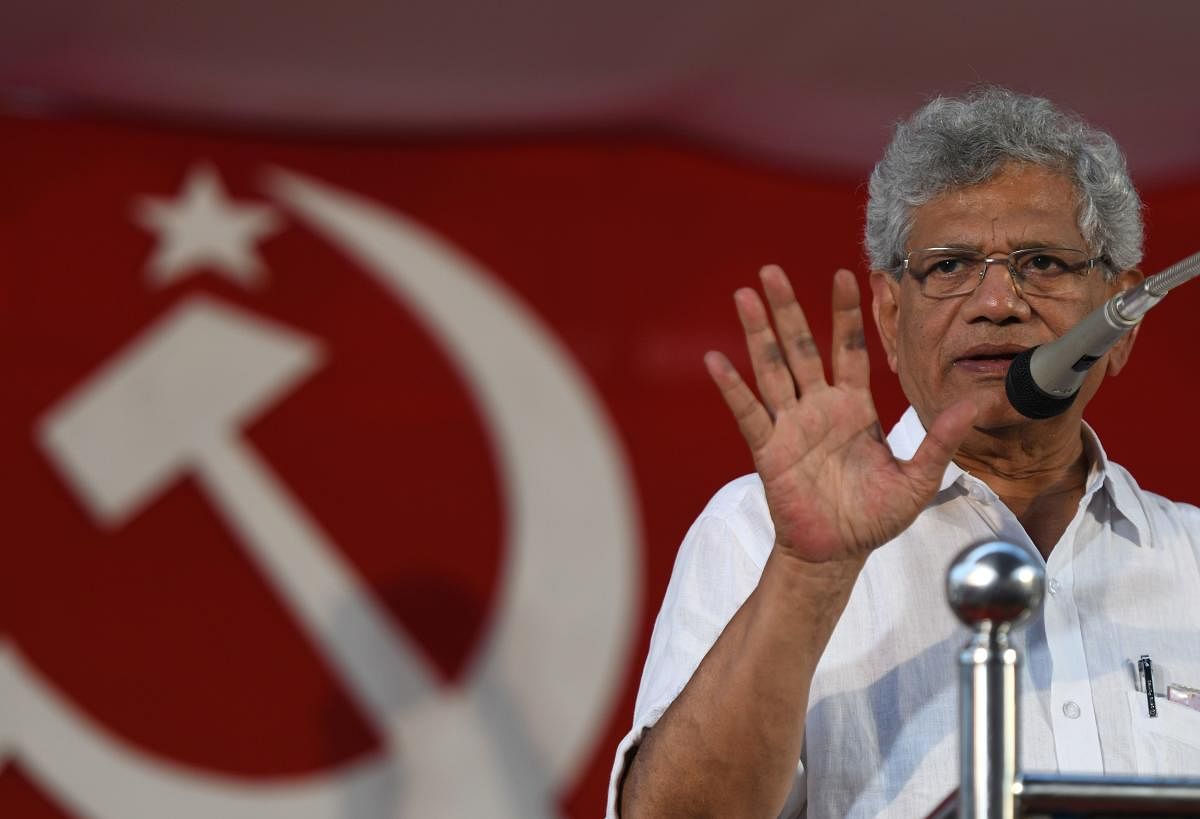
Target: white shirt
[[881, 735]]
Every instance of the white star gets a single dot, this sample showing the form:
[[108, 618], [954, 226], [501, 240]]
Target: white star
[[205, 228]]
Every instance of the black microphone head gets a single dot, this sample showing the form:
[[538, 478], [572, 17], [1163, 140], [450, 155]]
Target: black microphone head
[[1026, 396]]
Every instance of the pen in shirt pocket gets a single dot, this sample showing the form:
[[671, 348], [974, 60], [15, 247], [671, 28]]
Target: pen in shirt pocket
[[1146, 678], [1176, 692]]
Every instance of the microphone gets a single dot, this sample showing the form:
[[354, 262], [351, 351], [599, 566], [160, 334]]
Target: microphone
[[1043, 381]]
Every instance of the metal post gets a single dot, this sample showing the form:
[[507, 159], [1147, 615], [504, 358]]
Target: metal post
[[988, 686], [992, 587]]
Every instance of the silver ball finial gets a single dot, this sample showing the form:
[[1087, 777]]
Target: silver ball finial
[[995, 583]]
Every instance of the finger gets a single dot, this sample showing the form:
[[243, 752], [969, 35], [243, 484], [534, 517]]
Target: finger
[[752, 417], [945, 436], [775, 382], [851, 363], [794, 335]]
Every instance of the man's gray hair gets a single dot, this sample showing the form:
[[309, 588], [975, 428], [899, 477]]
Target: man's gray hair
[[956, 142]]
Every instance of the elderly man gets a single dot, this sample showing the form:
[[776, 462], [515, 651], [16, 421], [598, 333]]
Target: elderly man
[[803, 661]]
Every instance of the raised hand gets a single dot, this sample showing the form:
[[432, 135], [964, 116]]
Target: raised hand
[[834, 488]]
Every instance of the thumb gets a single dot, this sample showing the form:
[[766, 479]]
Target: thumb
[[945, 436]]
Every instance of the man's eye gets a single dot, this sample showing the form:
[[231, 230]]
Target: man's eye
[[1044, 264], [945, 267]]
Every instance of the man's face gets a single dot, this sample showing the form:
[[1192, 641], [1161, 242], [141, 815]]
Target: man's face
[[944, 350]]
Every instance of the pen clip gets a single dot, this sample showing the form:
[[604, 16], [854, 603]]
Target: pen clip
[[1146, 672]]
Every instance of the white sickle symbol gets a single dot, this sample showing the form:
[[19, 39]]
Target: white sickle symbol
[[517, 729]]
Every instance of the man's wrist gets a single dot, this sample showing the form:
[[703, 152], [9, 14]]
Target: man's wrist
[[814, 587]]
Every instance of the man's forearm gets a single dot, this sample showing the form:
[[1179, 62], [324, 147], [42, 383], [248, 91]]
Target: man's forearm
[[729, 744]]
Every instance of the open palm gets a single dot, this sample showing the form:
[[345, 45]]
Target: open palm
[[834, 488]]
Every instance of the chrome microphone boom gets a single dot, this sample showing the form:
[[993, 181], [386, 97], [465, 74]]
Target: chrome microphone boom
[[1043, 381]]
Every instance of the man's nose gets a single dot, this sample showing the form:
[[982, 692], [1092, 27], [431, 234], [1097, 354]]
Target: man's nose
[[998, 297]]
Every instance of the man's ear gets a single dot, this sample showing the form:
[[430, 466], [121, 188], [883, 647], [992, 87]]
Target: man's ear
[[1118, 356], [886, 308]]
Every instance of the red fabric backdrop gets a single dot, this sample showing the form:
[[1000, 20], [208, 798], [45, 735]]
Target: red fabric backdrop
[[627, 248]]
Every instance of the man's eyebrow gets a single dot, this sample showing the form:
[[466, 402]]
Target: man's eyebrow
[[1029, 244], [1036, 243], [956, 246]]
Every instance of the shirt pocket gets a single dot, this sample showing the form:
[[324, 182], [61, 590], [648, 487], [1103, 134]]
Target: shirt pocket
[[1166, 745]]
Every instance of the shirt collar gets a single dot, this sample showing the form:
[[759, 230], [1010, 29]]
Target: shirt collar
[[907, 435], [1120, 486]]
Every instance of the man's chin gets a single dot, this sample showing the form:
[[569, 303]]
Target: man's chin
[[998, 418], [996, 413]]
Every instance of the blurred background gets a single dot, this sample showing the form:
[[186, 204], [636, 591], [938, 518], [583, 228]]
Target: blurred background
[[354, 403]]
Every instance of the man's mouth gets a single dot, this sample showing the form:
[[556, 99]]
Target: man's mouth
[[989, 358], [992, 357], [993, 351]]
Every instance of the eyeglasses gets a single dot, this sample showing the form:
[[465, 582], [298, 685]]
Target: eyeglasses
[[1054, 272]]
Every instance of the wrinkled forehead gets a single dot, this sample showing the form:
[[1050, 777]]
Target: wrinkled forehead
[[1020, 206]]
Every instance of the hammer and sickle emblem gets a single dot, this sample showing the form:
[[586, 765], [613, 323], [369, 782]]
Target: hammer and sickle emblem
[[172, 404]]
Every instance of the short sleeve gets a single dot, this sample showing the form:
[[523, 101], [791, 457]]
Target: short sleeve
[[718, 564]]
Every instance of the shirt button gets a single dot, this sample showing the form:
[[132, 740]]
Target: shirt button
[[1055, 585], [1071, 709], [976, 493]]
